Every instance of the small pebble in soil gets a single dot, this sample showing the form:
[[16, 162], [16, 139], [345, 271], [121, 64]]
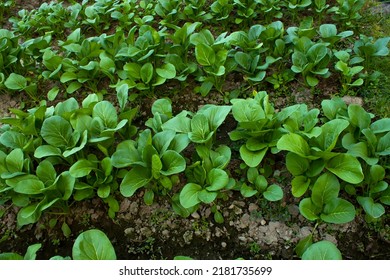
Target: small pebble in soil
[[223, 244], [263, 222]]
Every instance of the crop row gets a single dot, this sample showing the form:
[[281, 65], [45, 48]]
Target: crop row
[[148, 56]]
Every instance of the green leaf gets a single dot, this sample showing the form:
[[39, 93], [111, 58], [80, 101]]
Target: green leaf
[[330, 133], [10, 257], [346, 167], [373, 209], [247, 110], [294, 143], [167, 71], [46, 172], [13, 139], [136, 178], [358, 116], [247, 191], [189, 195], [217, 179], [338, 211], [383, 147], [308, 209], [325, 189], [32, 250], [93, 245], [303, 244], [146, 72], [104, 191], [66, 230], [162, 140], [16, 82], [216, 115], [252, 159], [156, 166], [296, 165], [322, 250], [332, 108], [200, 131], [300, 185], [149, 197], [65, 184], [125, 155], [172, 163], [82, 168], [204, 54], [380, 126], [57, 132], [29, 187], [14, 161], [207, 196], [273, 193], [106, 112], [47, 151]]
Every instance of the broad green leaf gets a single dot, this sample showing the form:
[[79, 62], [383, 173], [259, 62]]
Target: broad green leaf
[[162, 106], [136, 178], [383, 147], [377, 173], [325, 189], [162, 140], [332, 108], [14, 161], [217, 179], [338, 211], [200, 130], [146, 72], [380, 126], [204, 54], [216, 115], [66, 184], [29, 187], [316, 53], [207, 196], [156, 166], [373, 209], [358, 116], [300, 185], [125, 155], [46, 151], [294, 143], [82, 168], [29, 214], [308, 209], [273, 193], [247, 191], [296, 165], [16, 82], [93, 245], [13, 139], [46, 172], [189, 195], [346, 167], [57, 132], [252, 159], [247, 110], [167, 71], [106, 112], [172, 163], [322, 250], [330, 133]]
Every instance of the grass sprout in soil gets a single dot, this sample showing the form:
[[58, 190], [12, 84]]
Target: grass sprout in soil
[[212, 133]]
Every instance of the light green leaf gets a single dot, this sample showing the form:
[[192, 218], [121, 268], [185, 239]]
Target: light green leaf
[[373, 209], [207, 196], [136, 178], [204, 54], [29, 187], [294, 143], [93, 245], [338, 211], [296, 165], [330, 133], [300, 185], [106, 112], [273, 193], [32, 250], [146, 72], [252, 159], [189, 195], [325, 189], [167, 71], [217, 179], [322, 250], [57, 132], [172, 163], [308, 209], [346, 167], [16, 82], [82, 168]]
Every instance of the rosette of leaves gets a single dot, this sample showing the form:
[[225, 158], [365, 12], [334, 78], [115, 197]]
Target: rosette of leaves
[[348, 71], [370, 143], [221, 9], [310, 60], [248, 53], [258, 126], [347, 11], [246, 10], [194, 11], [207, 179], [212, 57], [257, 184], [155, 161]]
